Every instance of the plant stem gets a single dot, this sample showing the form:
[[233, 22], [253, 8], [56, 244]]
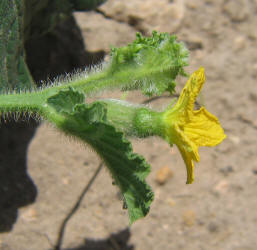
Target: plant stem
[[23, 102]]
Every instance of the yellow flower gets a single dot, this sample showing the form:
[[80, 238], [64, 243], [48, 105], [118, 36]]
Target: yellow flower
[[189, 128]]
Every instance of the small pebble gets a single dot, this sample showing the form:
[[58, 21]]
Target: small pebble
[[29, 215], [194, 45], [238, 10], [213, 227], [66, 181], [234, 139], [171, 202], [222, 187], [239, 43], [189, 218], [191, 5], [227, 170], [163, 175]]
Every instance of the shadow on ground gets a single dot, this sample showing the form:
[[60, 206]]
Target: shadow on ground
[[16, 187], [118, 241], [55, 53]]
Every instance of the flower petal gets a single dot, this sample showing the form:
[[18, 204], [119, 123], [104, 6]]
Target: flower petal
[[204, 129], [191, 90], [183, 141], [189, 164], [189, 152]]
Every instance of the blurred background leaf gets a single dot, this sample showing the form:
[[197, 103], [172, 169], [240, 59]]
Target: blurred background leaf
[[14, 73], [22, 20]]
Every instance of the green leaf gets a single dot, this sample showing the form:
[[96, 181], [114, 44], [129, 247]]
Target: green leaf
[[150, 63], [66, 100], [129, 170], [14, 73]]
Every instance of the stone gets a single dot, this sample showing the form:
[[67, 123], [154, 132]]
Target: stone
[[171, 202], [145, 16], [191, 5], [227, 170], [222, 186], [163, 175], [65, 180], [239, 43], [213, 227], [237, 11], [101, 33], [235, 139], [189, 218], [29, 215]]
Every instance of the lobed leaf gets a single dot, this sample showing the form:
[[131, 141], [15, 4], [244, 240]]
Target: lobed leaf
[[129, 170], [150, 63], [66, 100]]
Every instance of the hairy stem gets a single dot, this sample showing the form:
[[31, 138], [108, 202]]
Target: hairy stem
[[139, 120], [22, 102]]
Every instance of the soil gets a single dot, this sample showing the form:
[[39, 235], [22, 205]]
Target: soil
[[218, 211]]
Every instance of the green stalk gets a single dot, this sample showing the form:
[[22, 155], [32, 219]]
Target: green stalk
[[36, 101], [21, 102]]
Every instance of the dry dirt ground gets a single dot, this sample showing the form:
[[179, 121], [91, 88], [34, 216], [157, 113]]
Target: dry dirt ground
[[219, 210]]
